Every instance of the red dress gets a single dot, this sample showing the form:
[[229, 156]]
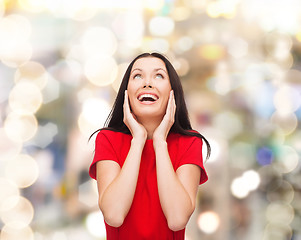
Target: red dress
[[145, 219]]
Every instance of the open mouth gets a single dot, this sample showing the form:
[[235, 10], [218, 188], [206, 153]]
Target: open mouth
[[146, 97]]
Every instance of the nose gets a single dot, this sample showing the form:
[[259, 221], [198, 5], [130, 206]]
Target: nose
[[148, 83]]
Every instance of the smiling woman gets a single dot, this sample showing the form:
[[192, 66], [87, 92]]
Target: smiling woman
[[148, 161]]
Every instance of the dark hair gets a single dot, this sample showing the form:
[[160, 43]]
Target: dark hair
[[181, 124]]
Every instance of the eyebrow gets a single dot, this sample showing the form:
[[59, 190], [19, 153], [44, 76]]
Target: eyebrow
[[155, 70]]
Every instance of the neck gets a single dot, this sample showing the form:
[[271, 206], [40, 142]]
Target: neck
[[150, 125]]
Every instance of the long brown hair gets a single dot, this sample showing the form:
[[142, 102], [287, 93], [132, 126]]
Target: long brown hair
[[181, 124]]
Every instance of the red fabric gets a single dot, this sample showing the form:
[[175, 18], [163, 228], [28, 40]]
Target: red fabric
[[145, 219]]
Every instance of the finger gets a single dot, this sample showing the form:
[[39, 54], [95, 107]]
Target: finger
[[172, 103], [126, 101]]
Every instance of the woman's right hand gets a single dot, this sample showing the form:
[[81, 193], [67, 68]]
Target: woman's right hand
[[137, 130]]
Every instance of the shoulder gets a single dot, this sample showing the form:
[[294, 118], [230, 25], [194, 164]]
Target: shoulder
[[185, 141], [112, 135]]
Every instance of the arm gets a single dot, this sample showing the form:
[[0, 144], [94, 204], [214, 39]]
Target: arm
[[115, 199], [177, 190]]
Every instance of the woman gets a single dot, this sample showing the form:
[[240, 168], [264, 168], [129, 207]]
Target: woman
[[148, 161]]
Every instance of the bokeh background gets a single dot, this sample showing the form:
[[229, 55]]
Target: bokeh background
[[240, 66]]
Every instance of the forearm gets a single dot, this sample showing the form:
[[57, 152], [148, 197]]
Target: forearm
[[117, 198], [175, 201]]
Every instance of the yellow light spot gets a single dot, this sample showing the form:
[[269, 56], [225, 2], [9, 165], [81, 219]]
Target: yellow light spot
[[23, 170], [98, 41], [8, 190], [212, 52], [13, 231], [8, 148], [101, 71], [153, 4], [161, 26], [89, 119], [208, 222], [15, 48], [32, 72], [20, 212], [298, 36], [20, 126], [32, 5], [213, 10], [25, 96]]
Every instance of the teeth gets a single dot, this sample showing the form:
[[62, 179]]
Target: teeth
[[147, 96]]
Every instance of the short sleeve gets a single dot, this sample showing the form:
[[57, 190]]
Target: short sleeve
[[193, 155], [103, 151]]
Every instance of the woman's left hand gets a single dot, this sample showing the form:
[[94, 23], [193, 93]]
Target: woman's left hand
[[161, 132]]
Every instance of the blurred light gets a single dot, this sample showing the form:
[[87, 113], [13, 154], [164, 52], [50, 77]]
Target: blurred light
[[129, 27], [208, 222], [184, 44], [280, 213], [98, 41], [283, 193], [51, 91], [119, 4], [15, 49], [228, 123], [161, 26], [287, 100], [213, 10], [9, 190], [95, 224], [45, 135], [252, 178], [77, 10], [155, 45], [17, 55], [20, 212], [181, 13], [153, 4], [34, 6], [2, 8], [212, 52], [222, 82], [25, 96], [182, 66], [23, 170], [277, 232], [241, 186], [45, 161], [101, 71], [215, 155], [67, 71], [59, 236], [288, 159], [20, 127], [13, 231], [32, 72], [264, 156], [298, 36], [238, 48], [8, 148], [94, 114], [225, 8], [121, 71], [286, 122]]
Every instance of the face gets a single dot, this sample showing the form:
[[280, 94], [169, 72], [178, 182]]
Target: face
[[149, 88]]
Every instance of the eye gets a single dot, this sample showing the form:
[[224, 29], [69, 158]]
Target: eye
[[159, 75], [137, 76]]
